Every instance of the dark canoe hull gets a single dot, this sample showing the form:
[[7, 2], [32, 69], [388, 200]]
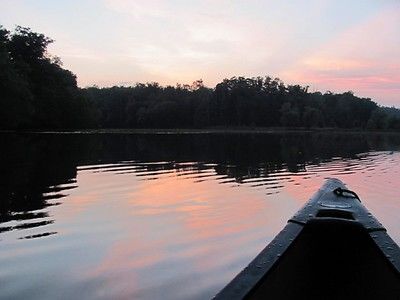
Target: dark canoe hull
[[333, 248]]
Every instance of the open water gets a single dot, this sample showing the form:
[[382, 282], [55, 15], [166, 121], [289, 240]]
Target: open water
[[167, 216]]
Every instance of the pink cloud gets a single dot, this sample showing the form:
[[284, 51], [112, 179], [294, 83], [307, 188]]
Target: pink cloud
[[363, 59]]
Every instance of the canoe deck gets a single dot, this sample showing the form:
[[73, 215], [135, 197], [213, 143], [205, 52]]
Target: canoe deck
[[333, 248]]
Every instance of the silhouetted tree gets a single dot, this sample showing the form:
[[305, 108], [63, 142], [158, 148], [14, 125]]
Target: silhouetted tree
[[36, 92]]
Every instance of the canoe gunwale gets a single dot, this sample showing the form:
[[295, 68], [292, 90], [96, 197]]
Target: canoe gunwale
[[248, 278], [336, 210]]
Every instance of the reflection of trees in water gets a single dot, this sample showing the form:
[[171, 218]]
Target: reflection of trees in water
[[33, 168], [38, 169]]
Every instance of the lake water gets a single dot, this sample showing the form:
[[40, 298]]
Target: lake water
[[165, 216]]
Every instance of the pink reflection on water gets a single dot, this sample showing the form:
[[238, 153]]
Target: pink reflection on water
[[200, 226], [166, 233]]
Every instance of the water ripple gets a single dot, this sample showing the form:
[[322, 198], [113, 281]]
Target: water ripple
[[151, 222]]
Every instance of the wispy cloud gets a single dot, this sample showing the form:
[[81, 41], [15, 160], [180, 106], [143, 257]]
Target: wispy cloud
[[365, 58], [330, 45]]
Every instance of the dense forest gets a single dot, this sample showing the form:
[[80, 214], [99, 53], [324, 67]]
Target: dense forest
[[38, 93]]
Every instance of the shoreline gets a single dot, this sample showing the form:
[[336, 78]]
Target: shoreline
[[165, 131]]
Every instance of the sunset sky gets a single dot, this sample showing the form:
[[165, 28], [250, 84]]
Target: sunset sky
[[327, 44]]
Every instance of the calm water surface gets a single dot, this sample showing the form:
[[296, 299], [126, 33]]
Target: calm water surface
[[167, 216]]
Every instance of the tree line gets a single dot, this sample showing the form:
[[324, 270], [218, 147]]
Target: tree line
[[38, 93]]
